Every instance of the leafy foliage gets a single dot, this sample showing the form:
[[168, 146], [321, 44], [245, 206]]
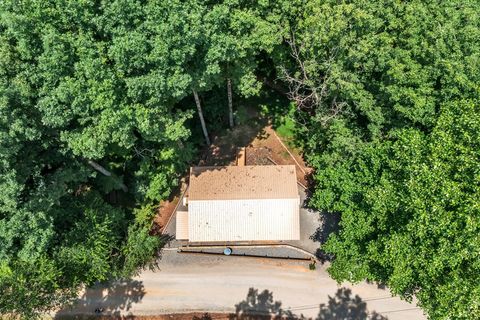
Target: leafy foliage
[[387, 94], [73, 91], [411, 220], [95, 128], [97, 123]]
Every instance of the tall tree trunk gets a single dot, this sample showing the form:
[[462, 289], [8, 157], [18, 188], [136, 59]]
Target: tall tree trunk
[[107, 173], [230, 105], [200, 114]]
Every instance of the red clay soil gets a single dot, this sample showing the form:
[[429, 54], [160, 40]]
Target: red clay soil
[[270, 146], [167, 207], [165, 210]]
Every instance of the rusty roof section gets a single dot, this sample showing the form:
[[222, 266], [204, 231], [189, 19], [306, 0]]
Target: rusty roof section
[[243, 182]]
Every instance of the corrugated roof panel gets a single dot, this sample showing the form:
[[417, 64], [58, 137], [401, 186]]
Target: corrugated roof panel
[[247, 182], [244, 220], [181, 228]]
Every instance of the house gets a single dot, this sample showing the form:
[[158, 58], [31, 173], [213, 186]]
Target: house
[[240, 203]]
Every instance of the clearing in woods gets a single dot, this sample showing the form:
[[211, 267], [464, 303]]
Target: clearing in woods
[[264, 146]]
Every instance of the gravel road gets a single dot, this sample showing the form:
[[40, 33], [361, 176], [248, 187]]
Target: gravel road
[[186, 283]]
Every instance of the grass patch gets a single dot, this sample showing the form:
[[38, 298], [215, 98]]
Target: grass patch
[[286, 129], [282, 117]]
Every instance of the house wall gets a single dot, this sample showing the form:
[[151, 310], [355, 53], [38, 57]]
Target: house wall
[[181, 225], [243, 220]]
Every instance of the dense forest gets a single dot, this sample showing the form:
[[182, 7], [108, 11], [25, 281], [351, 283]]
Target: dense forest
[[102, 109]]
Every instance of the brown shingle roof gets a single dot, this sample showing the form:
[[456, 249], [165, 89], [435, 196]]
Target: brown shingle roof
[[248, 182]]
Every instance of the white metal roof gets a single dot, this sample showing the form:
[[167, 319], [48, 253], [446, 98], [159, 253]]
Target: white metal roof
[[243, 220]]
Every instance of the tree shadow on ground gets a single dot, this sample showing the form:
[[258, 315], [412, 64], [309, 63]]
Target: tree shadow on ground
[[346, 307], [261, 306], [258, 305], [330, 224], [107, 299], [224, 148], [379, 285], [250, 122]]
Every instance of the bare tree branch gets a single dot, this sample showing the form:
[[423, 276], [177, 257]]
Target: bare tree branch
[[308, 89], [105, 172]]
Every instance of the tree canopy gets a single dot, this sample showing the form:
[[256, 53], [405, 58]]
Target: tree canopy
[[388, 116], [98, 121], [94, 131]]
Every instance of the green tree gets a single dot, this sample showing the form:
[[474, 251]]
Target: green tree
[[238, 33], [96, 102], [411, 218], [88, 131], [387, 112]]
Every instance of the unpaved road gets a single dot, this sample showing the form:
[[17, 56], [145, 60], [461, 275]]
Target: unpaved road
[[191, 282]]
